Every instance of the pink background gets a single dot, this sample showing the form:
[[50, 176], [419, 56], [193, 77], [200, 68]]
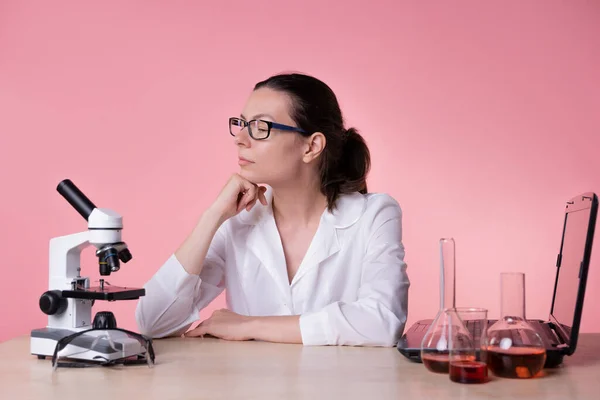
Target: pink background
[[482, 119]]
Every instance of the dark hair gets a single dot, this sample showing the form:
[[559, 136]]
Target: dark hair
[[346, 160]]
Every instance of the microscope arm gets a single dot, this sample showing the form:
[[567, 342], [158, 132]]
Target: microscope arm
[[65, 256]]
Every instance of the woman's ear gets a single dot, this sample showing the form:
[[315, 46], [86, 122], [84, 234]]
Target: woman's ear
[[314, 146]]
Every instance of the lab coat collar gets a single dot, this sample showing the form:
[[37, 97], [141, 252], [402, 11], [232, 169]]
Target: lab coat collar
[[349, 208], [264, 240]]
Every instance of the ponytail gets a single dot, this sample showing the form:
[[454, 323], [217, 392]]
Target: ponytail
[[350, 172]]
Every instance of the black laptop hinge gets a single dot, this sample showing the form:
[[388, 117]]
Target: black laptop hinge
[[563, 348], [558, 260]]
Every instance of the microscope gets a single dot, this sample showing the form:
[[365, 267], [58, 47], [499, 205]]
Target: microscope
[[69, 300]]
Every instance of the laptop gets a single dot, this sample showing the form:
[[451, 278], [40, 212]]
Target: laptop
[[561, 330]]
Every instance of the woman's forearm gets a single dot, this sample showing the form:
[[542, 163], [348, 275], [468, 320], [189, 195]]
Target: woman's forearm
[[278, 329], [193, 250]]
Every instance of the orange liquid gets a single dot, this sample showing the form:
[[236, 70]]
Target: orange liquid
[[516, 362]]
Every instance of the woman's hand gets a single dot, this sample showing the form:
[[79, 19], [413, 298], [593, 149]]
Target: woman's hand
[[224, 324], [238, 194]]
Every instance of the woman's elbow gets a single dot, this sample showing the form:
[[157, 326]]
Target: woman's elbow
[[388, 334], [147, 324], [142, 323], [374, 327], [162, 325]]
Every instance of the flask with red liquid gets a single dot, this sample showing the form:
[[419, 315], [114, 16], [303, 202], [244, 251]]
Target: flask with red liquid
[[468, 341], [515, 349], [434, 346]]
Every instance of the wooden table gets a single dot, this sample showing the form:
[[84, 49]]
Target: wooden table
[[194, 368]]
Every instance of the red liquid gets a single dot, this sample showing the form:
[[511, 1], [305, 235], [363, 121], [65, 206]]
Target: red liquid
[[436, 362], [516, 362], [440, 362], [468, 372]]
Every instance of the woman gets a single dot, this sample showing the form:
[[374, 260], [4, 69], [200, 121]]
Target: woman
[[305, 254]]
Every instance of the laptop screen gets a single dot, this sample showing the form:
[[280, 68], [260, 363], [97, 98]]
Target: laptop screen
[[572, 262]]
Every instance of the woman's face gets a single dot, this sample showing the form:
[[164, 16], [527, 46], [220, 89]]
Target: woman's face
[[277, 159]]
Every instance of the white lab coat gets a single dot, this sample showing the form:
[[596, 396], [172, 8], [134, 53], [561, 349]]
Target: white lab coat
[[350, 289]]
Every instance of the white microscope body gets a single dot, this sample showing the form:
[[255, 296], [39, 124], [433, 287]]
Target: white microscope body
[[69, 300]]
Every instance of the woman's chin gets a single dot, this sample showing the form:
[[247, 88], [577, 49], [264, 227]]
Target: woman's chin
[[246, 173], [254, 177]]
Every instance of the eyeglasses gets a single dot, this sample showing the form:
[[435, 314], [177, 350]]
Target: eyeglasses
[[103, 347], [257, 128]]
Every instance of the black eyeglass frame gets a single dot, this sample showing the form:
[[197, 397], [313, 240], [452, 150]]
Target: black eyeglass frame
[[270, 125]]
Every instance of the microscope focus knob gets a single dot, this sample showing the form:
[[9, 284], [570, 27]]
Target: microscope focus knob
[[104, 320], [52, 302]]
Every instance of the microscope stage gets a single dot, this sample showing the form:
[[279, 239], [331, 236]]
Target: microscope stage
[[108, 292]]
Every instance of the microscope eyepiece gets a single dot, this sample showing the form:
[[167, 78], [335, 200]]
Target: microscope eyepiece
[[76, 198]]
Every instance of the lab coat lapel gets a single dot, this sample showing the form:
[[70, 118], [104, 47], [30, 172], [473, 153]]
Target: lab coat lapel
[[264, 240], [324, 244], [265, 243]]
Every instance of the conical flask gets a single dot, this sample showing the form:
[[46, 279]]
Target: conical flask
[[515, 349], [434, 347]]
